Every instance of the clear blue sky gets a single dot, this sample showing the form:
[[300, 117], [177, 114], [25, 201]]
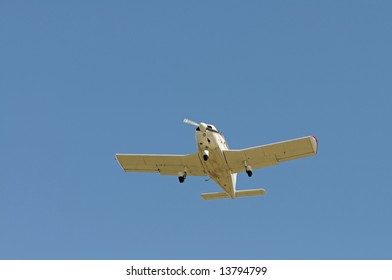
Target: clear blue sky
[[83, 80]]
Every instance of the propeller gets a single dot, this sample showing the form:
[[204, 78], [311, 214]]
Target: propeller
[[202, 126], [191, 122]]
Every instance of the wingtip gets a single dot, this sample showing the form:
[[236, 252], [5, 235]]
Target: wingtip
[[315, 144]]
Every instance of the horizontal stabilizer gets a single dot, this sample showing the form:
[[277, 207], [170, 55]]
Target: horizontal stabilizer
[[244, 193], [257, 192], [217, 195]]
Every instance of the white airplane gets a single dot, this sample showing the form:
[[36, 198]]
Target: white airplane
[[216, 160]]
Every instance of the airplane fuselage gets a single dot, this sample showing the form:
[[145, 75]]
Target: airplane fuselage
[[214, 159], [211, 145]]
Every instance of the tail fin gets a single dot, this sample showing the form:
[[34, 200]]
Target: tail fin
[[244, 193]]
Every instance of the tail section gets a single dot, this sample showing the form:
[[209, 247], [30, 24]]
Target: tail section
[[217, 195], [256, 192], [244, 193]]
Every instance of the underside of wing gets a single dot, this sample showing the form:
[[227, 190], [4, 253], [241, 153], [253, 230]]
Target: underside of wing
[[163, 164], [267, 155]]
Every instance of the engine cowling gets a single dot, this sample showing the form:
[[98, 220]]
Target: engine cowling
[[203, 127]]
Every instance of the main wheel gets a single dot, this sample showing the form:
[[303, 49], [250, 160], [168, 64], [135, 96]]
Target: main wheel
[[249, 172], [205, 157], [181, 179]]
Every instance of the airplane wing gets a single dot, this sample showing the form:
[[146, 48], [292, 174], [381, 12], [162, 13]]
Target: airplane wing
[[267, 155], [164, 164]]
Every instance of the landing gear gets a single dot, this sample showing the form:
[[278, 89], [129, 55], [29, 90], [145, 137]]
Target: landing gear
[[206, 154], [248, 170], [181, 177]]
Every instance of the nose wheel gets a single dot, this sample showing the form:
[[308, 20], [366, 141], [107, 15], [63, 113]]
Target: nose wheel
[[206, 155]]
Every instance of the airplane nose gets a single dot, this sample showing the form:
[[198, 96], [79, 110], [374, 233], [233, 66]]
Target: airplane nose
[[203, 127]]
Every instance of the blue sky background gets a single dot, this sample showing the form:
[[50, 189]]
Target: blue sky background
[[83, 80]]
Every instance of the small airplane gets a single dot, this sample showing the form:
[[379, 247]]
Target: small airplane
[[216, 160]]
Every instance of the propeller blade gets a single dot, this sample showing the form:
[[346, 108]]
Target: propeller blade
[[191, 122]]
